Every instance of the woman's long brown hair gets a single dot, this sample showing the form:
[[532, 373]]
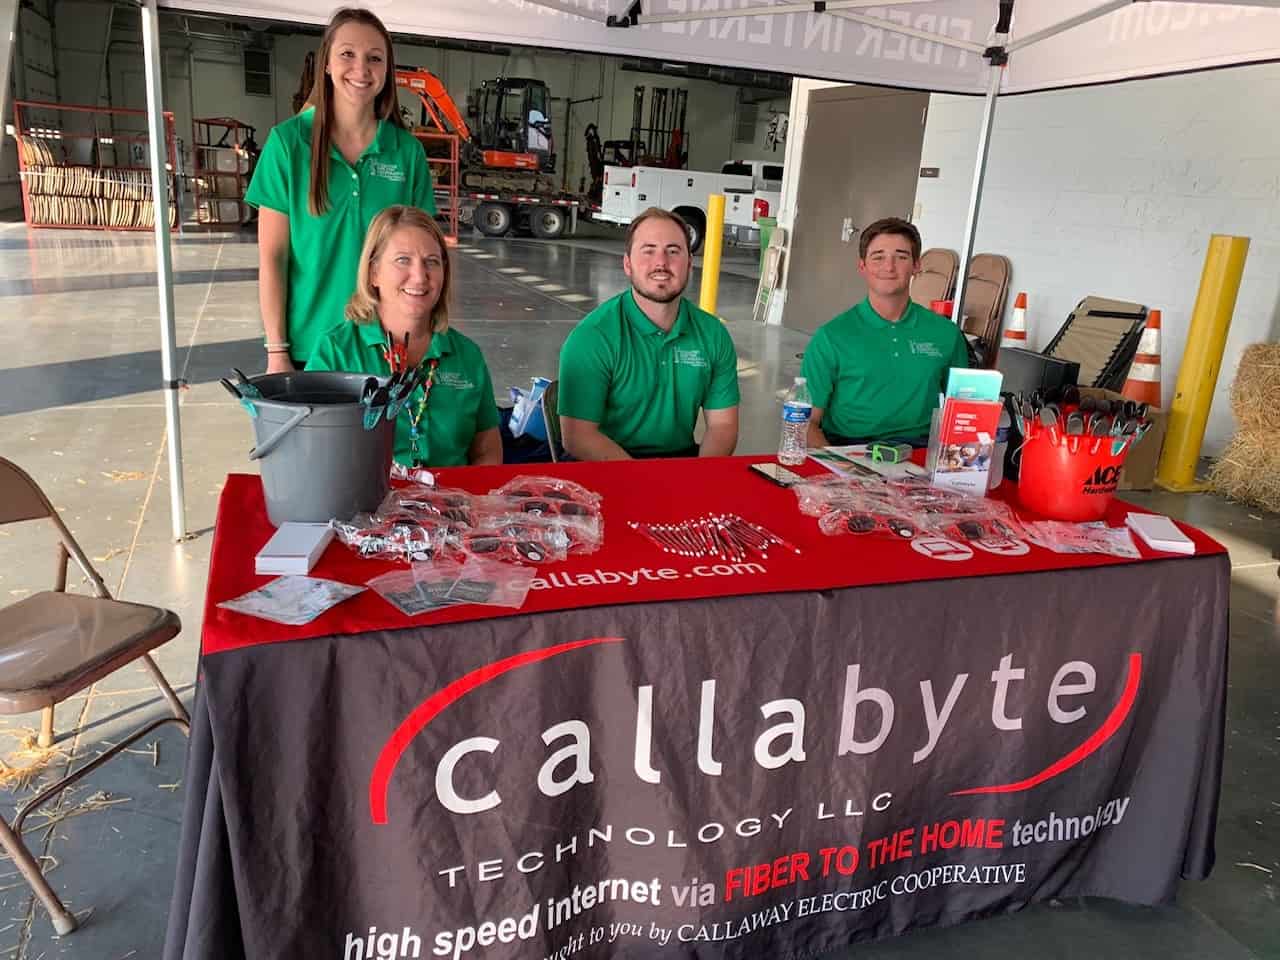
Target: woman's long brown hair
[[385, 105]]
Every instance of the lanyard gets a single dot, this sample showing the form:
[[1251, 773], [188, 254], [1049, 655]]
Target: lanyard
[[415, 416]]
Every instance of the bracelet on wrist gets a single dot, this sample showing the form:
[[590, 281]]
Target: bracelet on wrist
[[271, 350], [277, 345]]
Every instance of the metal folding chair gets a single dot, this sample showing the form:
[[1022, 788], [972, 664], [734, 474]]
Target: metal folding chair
[[55, 644], [984, 298], [937, 277]]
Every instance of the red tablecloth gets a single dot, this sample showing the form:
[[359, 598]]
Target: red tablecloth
[[662, 491]]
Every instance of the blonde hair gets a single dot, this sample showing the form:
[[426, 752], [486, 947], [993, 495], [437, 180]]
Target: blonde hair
[[363, 305]]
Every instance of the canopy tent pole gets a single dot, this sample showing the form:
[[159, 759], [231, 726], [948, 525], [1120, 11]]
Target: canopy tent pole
[[997, 56], [975, 194], [164, 263]]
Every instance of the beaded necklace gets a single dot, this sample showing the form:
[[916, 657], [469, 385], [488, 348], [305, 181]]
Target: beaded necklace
[[415, 416]]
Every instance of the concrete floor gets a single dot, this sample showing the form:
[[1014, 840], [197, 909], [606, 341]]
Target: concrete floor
[[80, 410]]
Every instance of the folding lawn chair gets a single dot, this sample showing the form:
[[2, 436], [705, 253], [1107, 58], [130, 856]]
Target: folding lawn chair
[[1101, 335]]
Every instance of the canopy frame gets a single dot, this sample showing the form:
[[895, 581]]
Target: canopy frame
[[170, 383], [996, 55]]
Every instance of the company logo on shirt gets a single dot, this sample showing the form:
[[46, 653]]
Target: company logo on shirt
[[386, 171], [925, 349], [455, 381], [690, 358]]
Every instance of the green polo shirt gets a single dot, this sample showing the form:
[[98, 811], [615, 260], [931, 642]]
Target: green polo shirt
[[642, 386], [877, 379], [324, 251], [461, 402]]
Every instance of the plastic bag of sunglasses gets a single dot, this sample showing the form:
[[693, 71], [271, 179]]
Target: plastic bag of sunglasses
[[388, 539], [978, 519], [558, 492], [413, 474], [820, 497], [918, 494], [531, 541], [584, 531], [415, 501], [867, 518], [582, 523]]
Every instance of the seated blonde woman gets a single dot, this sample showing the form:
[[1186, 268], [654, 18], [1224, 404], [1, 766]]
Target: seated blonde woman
[[403, 288]]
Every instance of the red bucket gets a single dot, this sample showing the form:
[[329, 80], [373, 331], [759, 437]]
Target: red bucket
[[1067, 480]]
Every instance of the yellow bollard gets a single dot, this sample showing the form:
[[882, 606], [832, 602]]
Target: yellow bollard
[[1201, 361], [712, 242]]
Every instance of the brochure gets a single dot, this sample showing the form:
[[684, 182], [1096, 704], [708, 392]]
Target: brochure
[[966, 384], [292, 601], [855, 460], [965, 441]]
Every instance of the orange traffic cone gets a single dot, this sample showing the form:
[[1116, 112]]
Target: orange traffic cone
[[1143, 385], [1015, 335]]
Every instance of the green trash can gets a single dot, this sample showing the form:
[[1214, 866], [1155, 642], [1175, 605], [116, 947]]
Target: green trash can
[[766, 225]]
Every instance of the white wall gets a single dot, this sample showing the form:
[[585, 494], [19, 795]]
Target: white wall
[[1114, 191], [757, 148]]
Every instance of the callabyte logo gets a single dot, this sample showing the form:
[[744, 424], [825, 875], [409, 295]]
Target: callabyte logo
[[866, 721]]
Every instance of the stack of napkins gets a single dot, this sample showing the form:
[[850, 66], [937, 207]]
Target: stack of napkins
[[1159, 533], [294, 549]]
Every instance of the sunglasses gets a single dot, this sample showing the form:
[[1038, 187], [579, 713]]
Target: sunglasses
[[563, 508], [545, 494], [863, 523], [488, 545]]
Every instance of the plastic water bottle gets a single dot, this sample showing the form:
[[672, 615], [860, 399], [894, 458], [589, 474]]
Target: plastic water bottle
[[995, 472], [796, 410]]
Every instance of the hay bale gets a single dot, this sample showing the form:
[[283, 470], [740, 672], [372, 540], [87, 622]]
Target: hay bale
[[1249, 469], [1255, 394]]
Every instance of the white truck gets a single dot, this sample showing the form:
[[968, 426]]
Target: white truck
[[743, 209], [630, 190]]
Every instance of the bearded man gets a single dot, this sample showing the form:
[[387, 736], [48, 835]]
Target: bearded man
[[637, 370]]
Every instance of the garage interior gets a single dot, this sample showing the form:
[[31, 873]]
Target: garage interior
[[80, 406]]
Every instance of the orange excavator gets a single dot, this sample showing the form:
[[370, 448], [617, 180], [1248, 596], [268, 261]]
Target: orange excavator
[[513, 132], [506, 154]]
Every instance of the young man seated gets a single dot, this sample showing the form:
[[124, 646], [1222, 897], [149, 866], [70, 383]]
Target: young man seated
[[875, 371], [635, 373]]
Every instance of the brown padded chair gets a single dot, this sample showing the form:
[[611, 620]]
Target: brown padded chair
[[984, 297], [55, 644], [937, 277]]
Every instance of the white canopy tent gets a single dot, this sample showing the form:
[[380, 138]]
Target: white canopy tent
[[987, 47]]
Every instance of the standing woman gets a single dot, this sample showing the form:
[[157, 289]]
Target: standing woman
[[322, 177]]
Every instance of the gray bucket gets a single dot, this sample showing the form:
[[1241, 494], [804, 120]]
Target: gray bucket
[[318, 461]]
